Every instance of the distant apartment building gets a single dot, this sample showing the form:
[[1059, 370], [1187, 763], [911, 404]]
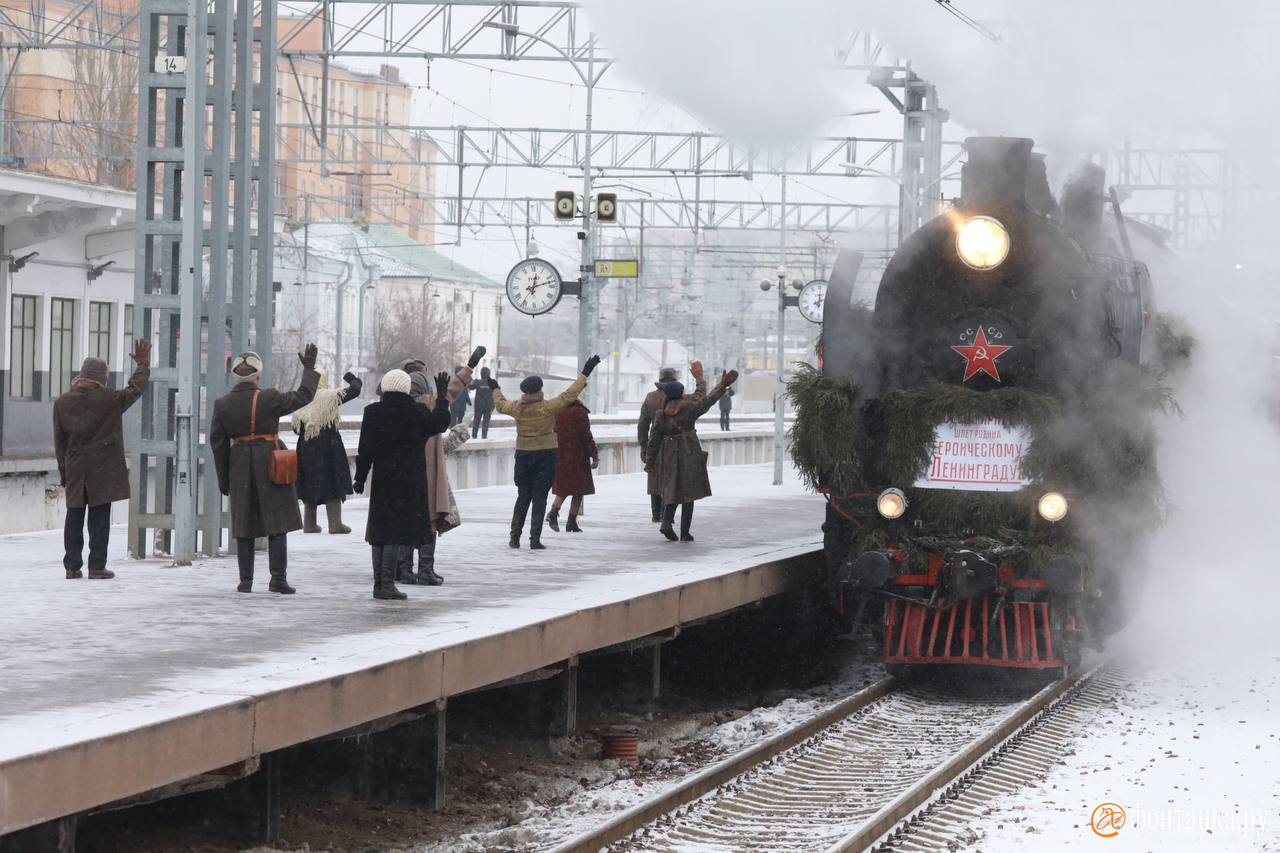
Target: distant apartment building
[[72, 113]]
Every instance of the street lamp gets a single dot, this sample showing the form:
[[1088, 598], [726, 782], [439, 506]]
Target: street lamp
[[587, 267]]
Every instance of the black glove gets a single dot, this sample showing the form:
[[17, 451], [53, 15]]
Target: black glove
[[358, 485], [308, 357], [595, 462], [476, 355], [493, 384], [442, 385], [348, 377], [590, 365]]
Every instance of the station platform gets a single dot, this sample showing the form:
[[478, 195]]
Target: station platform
[[116, 688]]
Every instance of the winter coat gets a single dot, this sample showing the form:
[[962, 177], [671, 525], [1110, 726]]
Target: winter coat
[[393, 439], [677, 463], [259, 507], [536, 417], [577, 449], [726, 401], [653, 402], [482, 396], [451, 441], [324, 473], [89, 443]]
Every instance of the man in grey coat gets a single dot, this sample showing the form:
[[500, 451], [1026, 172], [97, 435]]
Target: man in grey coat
[[246, 421], [89, 444]]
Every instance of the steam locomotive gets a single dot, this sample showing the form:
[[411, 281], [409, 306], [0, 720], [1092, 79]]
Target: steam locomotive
[[984, 434]]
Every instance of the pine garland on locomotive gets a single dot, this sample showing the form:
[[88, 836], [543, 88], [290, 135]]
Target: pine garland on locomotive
[[985, 435]]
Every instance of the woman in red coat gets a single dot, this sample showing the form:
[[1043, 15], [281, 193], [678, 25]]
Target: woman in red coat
[[578, 455]]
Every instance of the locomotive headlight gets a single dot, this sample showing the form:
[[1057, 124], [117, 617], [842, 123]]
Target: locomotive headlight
[[1052, 506], [982, 242], [892, 503]]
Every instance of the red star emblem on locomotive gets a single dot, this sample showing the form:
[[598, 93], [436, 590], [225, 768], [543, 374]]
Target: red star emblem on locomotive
[[980, 356]]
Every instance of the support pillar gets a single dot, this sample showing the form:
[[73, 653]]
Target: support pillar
[[406, 764], [564, 712], [56, 836]]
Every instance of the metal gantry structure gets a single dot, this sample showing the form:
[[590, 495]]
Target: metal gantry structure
[[204, 242]]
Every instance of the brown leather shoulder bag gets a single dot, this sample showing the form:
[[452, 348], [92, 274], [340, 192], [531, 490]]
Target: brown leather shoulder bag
[[282, 465]]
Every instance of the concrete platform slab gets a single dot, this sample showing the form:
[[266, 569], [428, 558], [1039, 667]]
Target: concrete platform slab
[[112, 688]]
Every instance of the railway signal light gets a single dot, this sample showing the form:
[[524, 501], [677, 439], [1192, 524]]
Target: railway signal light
[[566, 205]]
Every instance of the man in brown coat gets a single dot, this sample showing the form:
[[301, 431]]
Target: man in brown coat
[[653, 403], [242, 441], [89, 444]]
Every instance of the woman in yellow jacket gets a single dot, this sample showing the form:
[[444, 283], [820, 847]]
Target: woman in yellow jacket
[[536, 447]]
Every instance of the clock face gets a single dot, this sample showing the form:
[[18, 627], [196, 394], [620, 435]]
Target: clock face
[[812, 298], [533, 286]]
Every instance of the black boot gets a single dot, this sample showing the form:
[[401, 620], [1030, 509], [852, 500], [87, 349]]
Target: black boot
[[571, 526], [377, 569], [668, 519], [686, 519], [404, 567], [553, 519], [244, 556], [517, 527], [427, 564], [278, 560], [535, 533], [655, 503], [387, 575]]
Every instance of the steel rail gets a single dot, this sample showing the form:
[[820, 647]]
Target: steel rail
[[716, 775], [918, 795]]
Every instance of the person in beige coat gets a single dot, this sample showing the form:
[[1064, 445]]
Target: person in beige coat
[[536, 447]]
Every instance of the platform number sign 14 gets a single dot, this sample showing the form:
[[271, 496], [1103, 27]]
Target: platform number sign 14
[[166, 64], [534, 286]]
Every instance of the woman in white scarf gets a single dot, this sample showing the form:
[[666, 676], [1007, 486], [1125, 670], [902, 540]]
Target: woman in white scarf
[[324, 473]]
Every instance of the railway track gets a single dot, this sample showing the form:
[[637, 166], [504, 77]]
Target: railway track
[[869, 768]]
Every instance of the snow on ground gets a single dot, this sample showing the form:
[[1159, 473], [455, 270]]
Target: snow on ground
[[588, 792], [92, 657]]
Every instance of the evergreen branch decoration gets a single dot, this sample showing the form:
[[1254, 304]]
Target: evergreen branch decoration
[[827, 437]]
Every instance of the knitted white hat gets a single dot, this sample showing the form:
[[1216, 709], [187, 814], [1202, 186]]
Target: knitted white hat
[[396, 382], [247, 367]]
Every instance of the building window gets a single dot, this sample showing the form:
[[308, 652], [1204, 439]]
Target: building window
[[62, 339], [100, 317], [127, 336], [22, 347]]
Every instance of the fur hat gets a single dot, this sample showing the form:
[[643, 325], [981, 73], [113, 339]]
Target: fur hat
[[668, 374], [674, 390], [95, 369], [396, 382], [247, 367], [419, 385], [413, 365], [531, 385]]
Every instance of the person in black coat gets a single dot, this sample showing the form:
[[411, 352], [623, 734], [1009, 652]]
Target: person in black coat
[[324, 474], [482, 399], [393, 438]]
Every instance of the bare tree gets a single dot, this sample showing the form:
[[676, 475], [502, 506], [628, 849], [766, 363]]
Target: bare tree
[[106, 91], [415, 328]]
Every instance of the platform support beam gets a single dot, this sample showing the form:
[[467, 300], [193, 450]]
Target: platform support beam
[[655, 670], [564, 715], [56, 836], [252, 806]]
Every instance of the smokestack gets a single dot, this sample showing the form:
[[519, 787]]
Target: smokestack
[[995, 176], [1039, 197], [1083, 196]]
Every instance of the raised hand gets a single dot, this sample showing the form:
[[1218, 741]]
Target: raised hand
[[729, 377], [493, 384], [348, 377], [695, 368], [476, 355], [141, 352], [308, 357], [442, 384], [590, 365]]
